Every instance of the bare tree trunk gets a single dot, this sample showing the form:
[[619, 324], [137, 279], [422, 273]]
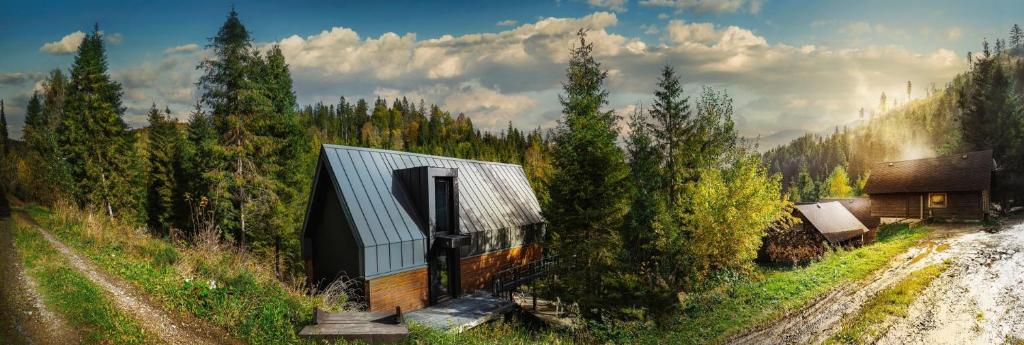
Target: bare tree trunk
[[277, 256], [106, 198]]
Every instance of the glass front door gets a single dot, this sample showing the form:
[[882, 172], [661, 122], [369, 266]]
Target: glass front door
[[444, 260]]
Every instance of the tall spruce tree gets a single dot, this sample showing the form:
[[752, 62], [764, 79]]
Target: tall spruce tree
[[646, 221], [4, 138], [587, 189], [243, 93], [163, 189], [201, 164], [671, 113], [94, 138], [35, 124]]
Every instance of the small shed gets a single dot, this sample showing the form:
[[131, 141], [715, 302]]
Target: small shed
[[821, 225], [416, 229], [953, 187], [833, 221], [861, 208]]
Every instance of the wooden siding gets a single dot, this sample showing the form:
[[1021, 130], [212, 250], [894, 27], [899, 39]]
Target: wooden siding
[[478, 270], [406, 289], [897, 205], [959, 206], [409, 289]]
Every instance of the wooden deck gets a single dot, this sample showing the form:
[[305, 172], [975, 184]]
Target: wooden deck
[[369, 327], [462, 313]]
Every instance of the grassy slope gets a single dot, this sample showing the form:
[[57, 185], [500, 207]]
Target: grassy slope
[[258, 309], [218, 287], [74, 296], [865, 325], [770, 293]]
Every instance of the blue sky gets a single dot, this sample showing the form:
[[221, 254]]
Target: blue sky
[[791, 66]]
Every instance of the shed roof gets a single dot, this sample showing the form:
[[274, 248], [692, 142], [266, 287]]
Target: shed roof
[[832, 220], [492, 196], [860, 208], [966, 172]]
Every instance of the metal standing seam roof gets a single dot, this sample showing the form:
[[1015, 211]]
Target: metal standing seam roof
[[492, 196], [966, 172], [832, 220]]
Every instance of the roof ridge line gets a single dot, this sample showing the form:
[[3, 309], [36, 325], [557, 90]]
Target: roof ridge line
[[335, 146], [936, 157]]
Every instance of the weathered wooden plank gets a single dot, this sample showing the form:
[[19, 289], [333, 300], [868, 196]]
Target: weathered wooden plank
[[323, 317], [373, 333]]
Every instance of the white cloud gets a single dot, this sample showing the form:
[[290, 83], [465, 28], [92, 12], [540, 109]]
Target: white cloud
[[515, 74], [66, 45], [663, 16], [506, 22], [169, 81], [114, 38], [613, 5], [954, 33], [707, 6], [184, 48], [19, 78]]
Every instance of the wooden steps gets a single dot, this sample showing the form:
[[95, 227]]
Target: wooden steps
[[369, 327]]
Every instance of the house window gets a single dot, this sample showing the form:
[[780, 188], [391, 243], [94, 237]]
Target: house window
[[937, 200]]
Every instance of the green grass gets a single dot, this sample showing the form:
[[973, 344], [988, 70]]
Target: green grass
[[220, 287], [866, 325], [260, 310], [72, 295], [711, 316], [498, 332]]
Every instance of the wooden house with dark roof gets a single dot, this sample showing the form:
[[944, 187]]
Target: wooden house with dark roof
[[953, 187], [416, 229]]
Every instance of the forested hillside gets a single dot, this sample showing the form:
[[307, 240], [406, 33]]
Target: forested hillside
[[242, 163], [980, 109]]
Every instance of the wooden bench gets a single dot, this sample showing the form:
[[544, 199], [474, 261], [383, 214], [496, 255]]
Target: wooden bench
[[369, 327]]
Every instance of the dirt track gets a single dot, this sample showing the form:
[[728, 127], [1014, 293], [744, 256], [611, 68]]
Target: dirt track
[[823, 318], [24, 319], [174, 329], [979, 300]]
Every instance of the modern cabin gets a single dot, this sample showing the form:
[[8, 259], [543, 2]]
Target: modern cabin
[[416, 229], [953, 187]]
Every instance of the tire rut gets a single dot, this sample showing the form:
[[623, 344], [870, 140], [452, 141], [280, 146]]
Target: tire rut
[[25, 319], [823, 317], [165, 326]]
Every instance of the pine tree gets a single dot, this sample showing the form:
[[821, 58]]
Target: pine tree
[[586, 188], [163, 188], [56, 171], [244, 95], [671, 113], [201, 160], [1016, 36], [35, 125], [94, 138], [805, 185], [646, 222], [224, 74], [4, 138]]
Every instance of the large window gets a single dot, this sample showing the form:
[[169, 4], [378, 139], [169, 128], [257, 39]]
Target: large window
[[443, 204], [937, 200]]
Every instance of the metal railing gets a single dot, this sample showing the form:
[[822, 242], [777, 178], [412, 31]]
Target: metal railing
[[507, 280]]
